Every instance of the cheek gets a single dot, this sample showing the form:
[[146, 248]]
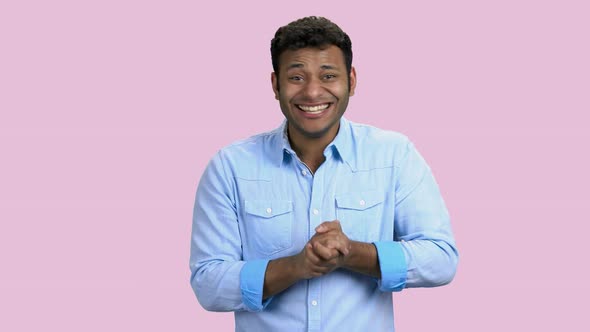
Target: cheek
[[284, 102], [338, 89], [286, 95], [340, 92]]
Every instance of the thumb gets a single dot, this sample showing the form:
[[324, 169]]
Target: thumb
[[322, 228], [328, 225]]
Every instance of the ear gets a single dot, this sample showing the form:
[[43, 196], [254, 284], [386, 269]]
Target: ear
[[275, 84], [352, 81]]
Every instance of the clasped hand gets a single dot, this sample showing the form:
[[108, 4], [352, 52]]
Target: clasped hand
[[326, 251]]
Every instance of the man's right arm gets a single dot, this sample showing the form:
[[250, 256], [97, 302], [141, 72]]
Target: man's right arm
[[220, 278]]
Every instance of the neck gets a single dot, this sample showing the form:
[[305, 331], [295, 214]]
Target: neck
[[310, 149]]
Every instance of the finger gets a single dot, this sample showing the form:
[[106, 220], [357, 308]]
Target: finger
[[311, 255], [327, 226], [333, 240], [319, 271], [336, 243], [325, 266], [324, 252]]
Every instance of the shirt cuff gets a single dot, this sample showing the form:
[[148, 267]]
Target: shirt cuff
[[392, 262], [252, 283]]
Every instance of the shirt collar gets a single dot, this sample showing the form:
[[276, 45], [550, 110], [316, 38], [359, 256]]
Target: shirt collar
[[341, 145], [280, 148]]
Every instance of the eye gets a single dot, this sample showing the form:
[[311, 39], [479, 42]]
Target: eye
[[329, 76], [296, 78]]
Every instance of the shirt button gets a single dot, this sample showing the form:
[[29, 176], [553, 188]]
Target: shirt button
[[316, 211], [314, 302], [362, 202], [304, 172], [269, 210]]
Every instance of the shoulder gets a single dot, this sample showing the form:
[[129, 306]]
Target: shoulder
[[378, 147], [365, 133], [250, 158], [252, 145]]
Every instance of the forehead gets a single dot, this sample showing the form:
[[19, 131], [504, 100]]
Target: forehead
[[312, 57]]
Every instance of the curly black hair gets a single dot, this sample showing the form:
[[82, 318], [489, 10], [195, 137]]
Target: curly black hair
[[311, 31]]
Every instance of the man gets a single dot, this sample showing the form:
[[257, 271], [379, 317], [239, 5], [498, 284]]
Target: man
[[310, 227]]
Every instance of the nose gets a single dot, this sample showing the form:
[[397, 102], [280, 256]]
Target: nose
[[313, 89]]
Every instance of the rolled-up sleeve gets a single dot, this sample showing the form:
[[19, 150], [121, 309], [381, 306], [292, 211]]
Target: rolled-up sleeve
[[220, 278], [252, 284], [392, 264], [422, 226]]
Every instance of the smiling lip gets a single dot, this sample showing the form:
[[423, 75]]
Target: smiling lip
[[313, 109]]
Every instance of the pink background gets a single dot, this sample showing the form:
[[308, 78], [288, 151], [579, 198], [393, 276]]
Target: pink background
[[110, 111]]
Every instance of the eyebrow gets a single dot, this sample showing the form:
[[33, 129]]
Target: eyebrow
[[300, 65]]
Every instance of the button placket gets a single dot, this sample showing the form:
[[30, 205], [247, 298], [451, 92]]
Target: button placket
[[315, 218]]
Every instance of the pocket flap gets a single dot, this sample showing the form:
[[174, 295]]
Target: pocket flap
[[268, 208], [359, 201]]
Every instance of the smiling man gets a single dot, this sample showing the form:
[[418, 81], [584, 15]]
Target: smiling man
[[310, 227]]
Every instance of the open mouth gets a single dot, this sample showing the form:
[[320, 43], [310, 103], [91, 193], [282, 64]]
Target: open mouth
[[316, 109]]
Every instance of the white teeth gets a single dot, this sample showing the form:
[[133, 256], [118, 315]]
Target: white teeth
[[313, 109]]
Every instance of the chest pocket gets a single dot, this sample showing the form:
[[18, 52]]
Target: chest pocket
[[269, 224], [360, 213]]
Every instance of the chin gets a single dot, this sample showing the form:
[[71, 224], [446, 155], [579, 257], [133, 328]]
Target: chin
[[316, 132]]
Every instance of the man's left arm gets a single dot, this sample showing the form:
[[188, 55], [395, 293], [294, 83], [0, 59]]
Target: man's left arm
[[422, 229], [332, 245], [422, 252]]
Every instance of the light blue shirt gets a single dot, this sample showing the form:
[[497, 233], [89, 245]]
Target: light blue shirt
[[257, 201]]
